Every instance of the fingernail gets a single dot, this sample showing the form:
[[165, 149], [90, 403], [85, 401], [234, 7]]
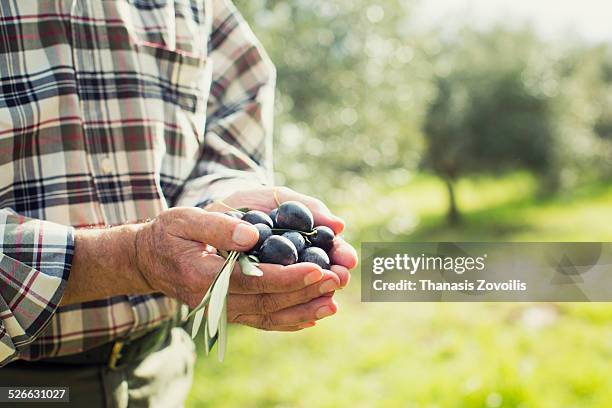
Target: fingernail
[[339, 220], [306, 325], [324, 312], [327, 286], [244, 234], [313, 277]]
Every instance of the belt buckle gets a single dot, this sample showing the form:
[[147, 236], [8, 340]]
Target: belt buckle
[[115, 355]]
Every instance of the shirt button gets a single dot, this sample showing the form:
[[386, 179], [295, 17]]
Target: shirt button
[[107, 165]]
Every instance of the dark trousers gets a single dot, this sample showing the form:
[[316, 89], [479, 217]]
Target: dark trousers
[[162, 379]]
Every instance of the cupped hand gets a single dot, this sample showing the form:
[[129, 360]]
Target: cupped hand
[[343, 256], [175, 256]]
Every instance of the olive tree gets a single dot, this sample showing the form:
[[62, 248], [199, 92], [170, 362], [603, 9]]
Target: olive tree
[[490, 113]]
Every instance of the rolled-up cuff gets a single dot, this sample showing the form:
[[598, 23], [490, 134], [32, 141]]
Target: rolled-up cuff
[[35, 261]]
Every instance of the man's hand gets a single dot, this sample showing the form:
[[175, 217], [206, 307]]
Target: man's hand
[[285, 298], [343, 256], [175, 254], [175, 257]]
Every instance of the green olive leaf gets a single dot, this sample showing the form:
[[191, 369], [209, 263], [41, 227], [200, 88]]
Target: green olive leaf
[[206, 298], [206, 339], [222, 333], [219, 293], [249, 267], [197, 321]]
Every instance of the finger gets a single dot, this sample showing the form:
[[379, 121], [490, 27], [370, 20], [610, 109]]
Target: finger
[[344, 276], [288, 329], [277, 279], [343, 254], [294, 328], [293, 284], [216, 229], [321, 214], [314, 310], [278, 329], [265, 303]]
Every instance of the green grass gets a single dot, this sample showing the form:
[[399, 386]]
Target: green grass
[[494, 209], [435, 355]]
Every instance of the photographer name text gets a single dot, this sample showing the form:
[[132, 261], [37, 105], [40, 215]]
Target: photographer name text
[[442, 264]]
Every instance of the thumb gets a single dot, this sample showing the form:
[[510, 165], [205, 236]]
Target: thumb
[[218, 230]]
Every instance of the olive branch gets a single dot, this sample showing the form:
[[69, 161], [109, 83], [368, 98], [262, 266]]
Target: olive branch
[[214, 303]]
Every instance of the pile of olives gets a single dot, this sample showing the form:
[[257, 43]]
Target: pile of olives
[[287, 235]]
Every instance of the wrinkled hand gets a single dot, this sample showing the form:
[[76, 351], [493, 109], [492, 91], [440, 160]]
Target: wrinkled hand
[[176, 256], [343, 256], [285, 298]]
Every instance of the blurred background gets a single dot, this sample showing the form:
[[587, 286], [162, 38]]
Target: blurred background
[[458, 120]]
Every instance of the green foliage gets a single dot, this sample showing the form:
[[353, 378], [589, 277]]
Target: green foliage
[[487, 124], [351, 89], [585, 147], [491, 113], [361, 92]]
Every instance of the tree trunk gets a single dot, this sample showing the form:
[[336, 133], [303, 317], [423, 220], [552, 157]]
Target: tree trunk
[[453, 215]]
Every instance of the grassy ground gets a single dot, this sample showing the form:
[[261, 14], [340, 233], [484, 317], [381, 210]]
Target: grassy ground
[[436, 355]]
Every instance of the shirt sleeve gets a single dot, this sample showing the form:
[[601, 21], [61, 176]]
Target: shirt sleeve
[[35, 261], [237, 150]]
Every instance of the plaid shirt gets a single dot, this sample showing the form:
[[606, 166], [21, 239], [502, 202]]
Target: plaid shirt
[[110, 112]]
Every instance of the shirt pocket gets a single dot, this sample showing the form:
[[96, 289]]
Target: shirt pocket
[[175, 87]]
